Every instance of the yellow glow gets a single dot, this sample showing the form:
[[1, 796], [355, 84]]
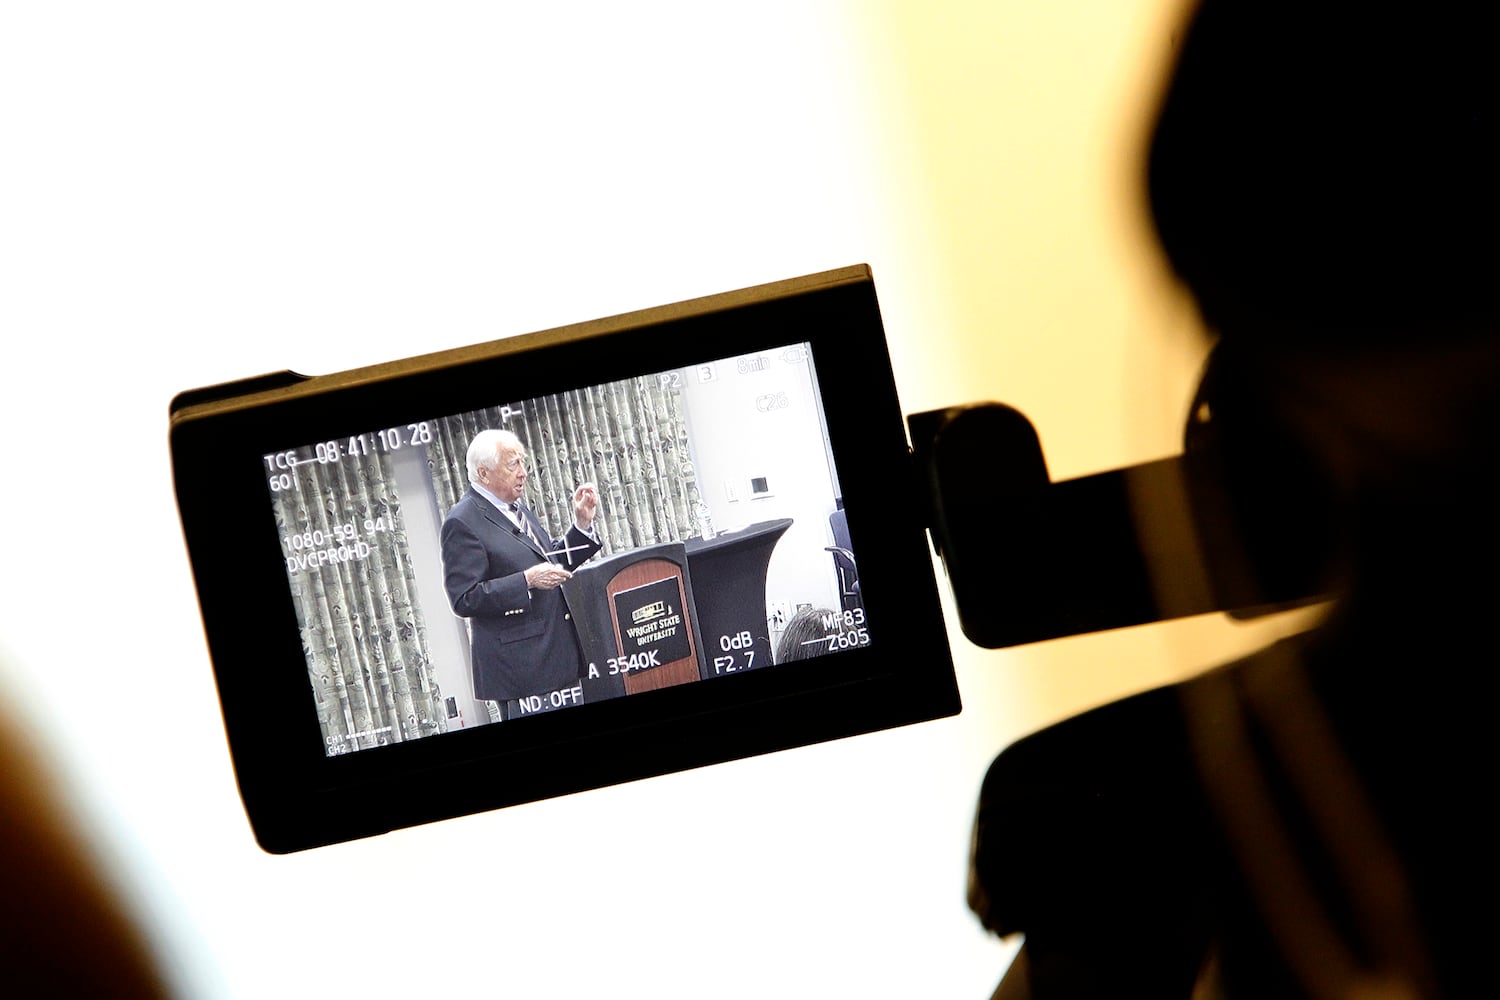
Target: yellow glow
[[1038, 282]]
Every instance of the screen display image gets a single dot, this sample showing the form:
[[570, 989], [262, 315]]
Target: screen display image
[[541, 554], [560, 561]]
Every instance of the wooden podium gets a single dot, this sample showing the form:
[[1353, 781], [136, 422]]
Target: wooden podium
[[637, 622]]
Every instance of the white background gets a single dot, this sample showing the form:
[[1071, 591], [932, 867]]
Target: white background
[[764, 424], [197, 192]]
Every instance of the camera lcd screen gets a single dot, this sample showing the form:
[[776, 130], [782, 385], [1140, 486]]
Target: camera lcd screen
[[720, 549], [560, 561]]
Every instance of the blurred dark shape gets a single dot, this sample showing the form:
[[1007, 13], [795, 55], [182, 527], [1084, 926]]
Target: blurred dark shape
[[62, 932], [1324, 173], [1312, 820]]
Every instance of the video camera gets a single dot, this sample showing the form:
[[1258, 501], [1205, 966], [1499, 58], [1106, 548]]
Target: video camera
[[762, 579]]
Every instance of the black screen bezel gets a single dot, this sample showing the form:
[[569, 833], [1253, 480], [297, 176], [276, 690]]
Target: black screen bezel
[[296, 796]]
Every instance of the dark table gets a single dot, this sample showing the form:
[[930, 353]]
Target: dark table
[[728, 575]]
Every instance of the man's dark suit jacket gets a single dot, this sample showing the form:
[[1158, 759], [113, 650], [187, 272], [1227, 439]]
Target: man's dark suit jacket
[[522, 640]]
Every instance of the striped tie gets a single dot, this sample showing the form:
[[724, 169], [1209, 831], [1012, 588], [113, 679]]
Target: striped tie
[[525, 524]]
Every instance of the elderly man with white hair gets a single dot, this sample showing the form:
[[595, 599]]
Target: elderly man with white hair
[[502, 571]]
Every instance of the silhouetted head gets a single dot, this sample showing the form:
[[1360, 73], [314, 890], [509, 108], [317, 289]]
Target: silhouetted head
[[1325, 174], [1325, 178]]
